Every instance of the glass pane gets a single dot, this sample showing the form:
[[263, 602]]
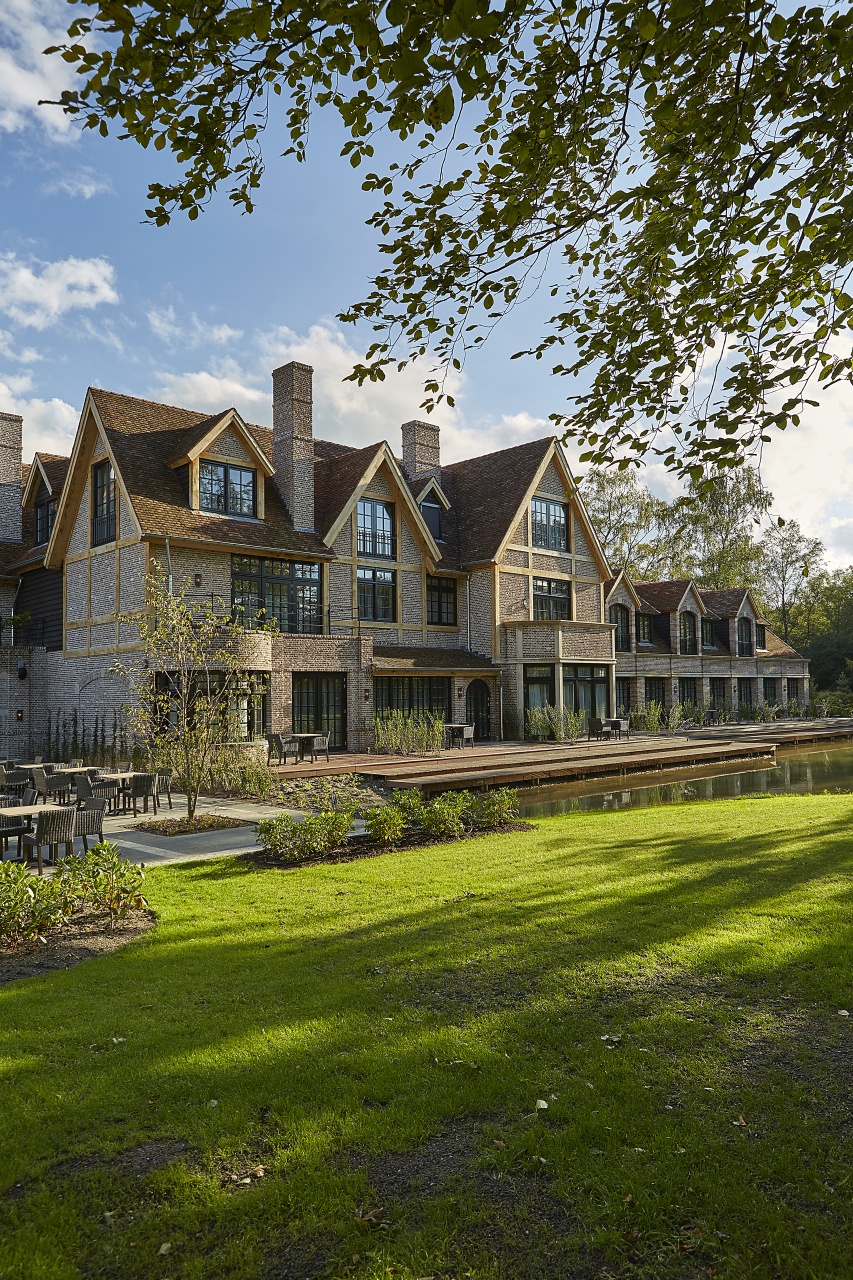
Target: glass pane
[[211, 486], [384, 601], [241, 491], [600, 693]]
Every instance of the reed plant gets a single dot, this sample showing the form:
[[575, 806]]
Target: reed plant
[[405, 733]]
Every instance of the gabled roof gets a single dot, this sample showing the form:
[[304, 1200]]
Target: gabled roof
[[727, 602], [202, 437], [336, 476], [51, 468], [666, 597], [144, 437], [644, 606], [485, 495]]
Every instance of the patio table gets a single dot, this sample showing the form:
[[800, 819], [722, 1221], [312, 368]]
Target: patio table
[[303, 739], [28, 810]]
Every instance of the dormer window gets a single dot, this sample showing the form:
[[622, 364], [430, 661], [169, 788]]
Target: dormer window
[[621, 619], [550, 524], [431, 512], [760, 636], [226, 489], [45, 513], [744, 639], [687, 633], [707, 633], [643, 623]]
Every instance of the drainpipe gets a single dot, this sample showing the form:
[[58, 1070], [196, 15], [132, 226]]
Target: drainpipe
[[169, 563], [468, 609], [501, 705]]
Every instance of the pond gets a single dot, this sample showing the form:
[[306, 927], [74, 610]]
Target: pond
[[802, 770]]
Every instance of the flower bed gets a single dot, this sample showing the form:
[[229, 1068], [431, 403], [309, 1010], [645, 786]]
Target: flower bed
[[187, 826]]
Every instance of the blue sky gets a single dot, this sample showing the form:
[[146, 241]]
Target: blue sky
[[198, 314]]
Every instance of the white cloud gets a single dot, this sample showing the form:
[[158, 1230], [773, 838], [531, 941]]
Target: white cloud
[[37, 294], [809, 470], [26, 355], [27, 28], [83, 182], [49, 425], [192, 332]]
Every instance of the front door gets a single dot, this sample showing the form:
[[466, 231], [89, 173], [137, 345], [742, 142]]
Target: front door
[[478, 709], [320, 705]]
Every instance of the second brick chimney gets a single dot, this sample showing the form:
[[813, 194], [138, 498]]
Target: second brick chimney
[[421, 451], [11, 488], [293, 440]]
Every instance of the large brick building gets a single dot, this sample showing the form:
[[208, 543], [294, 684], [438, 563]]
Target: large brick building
[[475, 589]]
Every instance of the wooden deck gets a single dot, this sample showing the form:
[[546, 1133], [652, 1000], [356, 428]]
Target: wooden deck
[[523, 764], [520, 764], [782, 733]]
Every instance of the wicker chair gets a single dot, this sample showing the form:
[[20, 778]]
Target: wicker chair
[[13, 781], [89, 821], [164, 784], [55, 827], [12, 827], [73, 764], [89, 788], [319, 744], [142, 786], [53, 785], [275, 747]]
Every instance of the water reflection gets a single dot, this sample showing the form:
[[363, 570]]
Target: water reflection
[[801, 772]]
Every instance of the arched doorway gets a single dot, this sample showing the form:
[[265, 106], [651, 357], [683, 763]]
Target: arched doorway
[[478, 703]]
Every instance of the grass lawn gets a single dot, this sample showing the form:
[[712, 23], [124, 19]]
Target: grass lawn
[[374, 1038]]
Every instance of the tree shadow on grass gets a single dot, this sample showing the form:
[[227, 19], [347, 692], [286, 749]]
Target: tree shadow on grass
[[372, 1034]]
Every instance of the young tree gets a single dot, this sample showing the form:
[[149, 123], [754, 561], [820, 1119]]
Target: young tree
[[678, 174], [788, 558], [723, 514], [182, 692]]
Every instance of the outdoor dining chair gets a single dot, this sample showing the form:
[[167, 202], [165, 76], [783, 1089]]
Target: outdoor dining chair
[[164, 784], [53, 785], [89, 821], [13, 780], [275, 747], [54, 827], [319, 744], [468, 736], [142, 786], [73, 764], [597, 729], [10, 827], [89, 788]]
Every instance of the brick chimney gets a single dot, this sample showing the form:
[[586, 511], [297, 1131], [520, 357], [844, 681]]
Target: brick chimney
[[11, 488], [421, 451], [293, 441]]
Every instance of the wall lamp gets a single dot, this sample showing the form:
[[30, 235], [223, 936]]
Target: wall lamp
[[197, 579]]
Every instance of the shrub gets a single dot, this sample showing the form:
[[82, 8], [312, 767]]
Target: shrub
[[496, 808], [111, 883], [287, 838], [409, 803], [448, 814], [30, 906], [243, 771], [386, 826]]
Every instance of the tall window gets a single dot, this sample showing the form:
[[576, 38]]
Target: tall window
[[795, 689], [771, 690], [643, 624], [620, 616], [550, 524], [744, 691], [375, 522], [655, 690], [415, 694], [377, 595], [687, 633], [760, 636], [441, 602], [103, 504], [707, 633], [431, 512], [687, 691], [225, 488], [717, 695], [44, 516], [284, 592], [552, 600], [623, 697], [744, 639]]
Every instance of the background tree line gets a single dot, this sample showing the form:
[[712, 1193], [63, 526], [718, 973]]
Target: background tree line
[[725, 536]]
